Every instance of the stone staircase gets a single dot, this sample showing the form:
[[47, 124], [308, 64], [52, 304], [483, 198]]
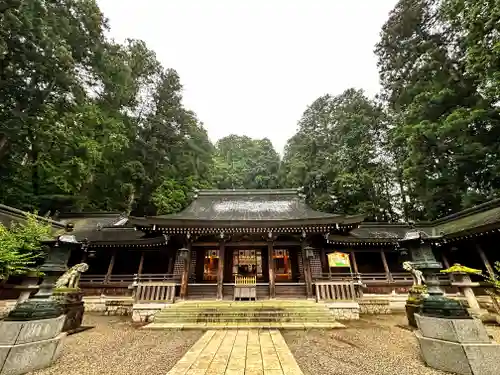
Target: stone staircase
[[298, 314]]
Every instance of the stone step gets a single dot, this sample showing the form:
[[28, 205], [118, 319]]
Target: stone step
[[212, 326], [244, 318], [174, 312], [237, 314]]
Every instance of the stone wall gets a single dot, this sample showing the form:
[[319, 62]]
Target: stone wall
[[344, 310], [374, 306]]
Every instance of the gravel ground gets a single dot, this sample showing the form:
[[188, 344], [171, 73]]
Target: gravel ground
[[373, 345], [115, 346]]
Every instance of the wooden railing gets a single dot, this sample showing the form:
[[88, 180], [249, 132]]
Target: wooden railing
[[245, 287], [127, 279], [335, 291], [154, 292], [245, 280], [374, 278]]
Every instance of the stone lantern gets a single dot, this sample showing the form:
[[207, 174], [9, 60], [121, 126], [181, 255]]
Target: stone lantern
[[31, 335], [450, 340], [418, 244]]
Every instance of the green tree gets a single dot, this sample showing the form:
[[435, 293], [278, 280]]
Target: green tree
[[245, 163], [442, 137], [338, 156]]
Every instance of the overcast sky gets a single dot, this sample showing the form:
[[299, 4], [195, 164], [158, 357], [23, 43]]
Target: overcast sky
[[251, 67]]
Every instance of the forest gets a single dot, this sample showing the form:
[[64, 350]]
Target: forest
[[89, 124]]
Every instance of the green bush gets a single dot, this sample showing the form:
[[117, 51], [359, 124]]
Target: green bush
[[20, 246]]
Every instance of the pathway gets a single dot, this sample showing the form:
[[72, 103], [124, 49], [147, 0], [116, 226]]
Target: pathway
[[238, 352]]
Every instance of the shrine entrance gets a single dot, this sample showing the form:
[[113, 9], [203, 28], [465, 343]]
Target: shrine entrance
[[247, 263]]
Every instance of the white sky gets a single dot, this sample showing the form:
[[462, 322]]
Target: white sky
[[251, 67]]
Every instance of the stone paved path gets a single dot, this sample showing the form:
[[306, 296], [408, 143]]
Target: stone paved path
[[238, 352]]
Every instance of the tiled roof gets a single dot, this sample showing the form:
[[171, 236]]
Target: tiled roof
[[10, 215], [249, 206]]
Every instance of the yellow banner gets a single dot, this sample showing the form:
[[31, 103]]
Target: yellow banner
[[338, 259]]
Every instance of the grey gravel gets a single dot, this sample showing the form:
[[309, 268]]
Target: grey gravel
[[371, 346], [115, 346]]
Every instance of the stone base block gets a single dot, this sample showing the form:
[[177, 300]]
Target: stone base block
[[22, 332], [344, 310], [145, 312], [22, 358], [454, 330], [460, 358]]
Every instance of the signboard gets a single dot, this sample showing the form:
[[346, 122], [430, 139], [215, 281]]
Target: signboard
[[338, 259]]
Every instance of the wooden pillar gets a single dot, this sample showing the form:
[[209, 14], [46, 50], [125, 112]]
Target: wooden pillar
[[141, 264], [386, 266], [446, 264], [324, 261], [307, 270], [171, 263], [185, 273], [272, 286], [491, 272], [110, 267], [485, 260], [354, 263], [220, 271]]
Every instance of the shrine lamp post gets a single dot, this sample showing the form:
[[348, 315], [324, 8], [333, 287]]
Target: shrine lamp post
[[419, 246]]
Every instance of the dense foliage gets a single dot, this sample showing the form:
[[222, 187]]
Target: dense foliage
[[20, 246], [430, 147], [242, 162], [90, 124]]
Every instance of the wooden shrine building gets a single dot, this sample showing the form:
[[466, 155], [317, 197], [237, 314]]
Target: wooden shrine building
[[272, 237]]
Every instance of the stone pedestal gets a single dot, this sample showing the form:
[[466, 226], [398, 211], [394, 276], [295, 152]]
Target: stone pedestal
[[460, 346], [72, 306], [29, 345]]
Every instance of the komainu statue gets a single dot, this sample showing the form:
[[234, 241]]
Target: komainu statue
[[71, 277], [418, 277]]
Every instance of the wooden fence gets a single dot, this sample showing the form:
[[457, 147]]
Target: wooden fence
[[335, 291]]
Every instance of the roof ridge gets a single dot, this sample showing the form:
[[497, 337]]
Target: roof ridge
[[246, 192], [494, 203], [23, 214]]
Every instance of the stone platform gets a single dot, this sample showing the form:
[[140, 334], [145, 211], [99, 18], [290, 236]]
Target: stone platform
[[29, 345], [460, 346], [230, 315]]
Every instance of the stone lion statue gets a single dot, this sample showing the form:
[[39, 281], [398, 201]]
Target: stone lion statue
[[71, 277], [418, 277]]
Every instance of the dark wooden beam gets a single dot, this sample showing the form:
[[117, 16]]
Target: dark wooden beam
[[110, 267], [185, 273], [324, 260], [220, 271], [307, 270], [272, 274], [141, 264], [247, 244], [354, 263], [386, 265]]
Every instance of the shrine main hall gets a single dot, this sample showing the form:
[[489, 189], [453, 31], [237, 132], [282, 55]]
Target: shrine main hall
[[272, 237]]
